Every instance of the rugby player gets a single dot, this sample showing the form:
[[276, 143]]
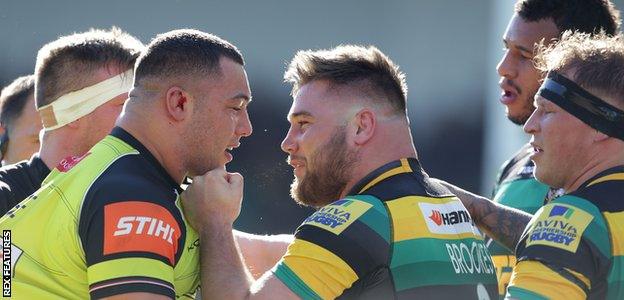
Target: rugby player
[[108, 223], [383, 229], [572, 247], [19, 121], [533, 22], [82, 82]]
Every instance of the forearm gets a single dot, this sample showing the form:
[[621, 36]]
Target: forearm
[[223, 274], [502, 223], [261, 252]]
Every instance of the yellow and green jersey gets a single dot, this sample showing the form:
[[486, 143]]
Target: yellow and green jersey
[[397, 235], [573, 247], [103, 224]]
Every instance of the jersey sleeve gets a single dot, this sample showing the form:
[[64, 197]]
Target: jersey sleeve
[[564, 252], [334, 247], [132, 236]]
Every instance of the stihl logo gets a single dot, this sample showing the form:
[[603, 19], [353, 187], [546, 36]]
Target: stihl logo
[[144, 225], [451, 218], [137, 226]]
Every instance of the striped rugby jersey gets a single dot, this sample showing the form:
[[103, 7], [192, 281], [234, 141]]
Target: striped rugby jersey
[[103, 224], [396, 235], [573, 247]]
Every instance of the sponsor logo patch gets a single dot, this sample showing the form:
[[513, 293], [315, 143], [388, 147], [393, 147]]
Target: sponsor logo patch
[[69, 162], [140, 226], [448, 218], [560, 226], [470, 258], [336, 217]]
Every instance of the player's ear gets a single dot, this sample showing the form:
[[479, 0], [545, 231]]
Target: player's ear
[[178, 103], [365, 122]]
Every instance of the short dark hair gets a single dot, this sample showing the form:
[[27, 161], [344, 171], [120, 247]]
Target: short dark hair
[[366, 67], [13, 99], [65, 65], [184, 52], [597, 62], [589, 16]]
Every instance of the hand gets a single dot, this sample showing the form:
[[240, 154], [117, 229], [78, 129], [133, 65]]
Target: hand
[[213, 198]]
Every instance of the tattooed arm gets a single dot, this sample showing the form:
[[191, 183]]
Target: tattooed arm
[[502, 223]]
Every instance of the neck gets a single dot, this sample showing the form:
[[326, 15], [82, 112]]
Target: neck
[[56, 145], [390, 143], [600, 162], [157, 142]]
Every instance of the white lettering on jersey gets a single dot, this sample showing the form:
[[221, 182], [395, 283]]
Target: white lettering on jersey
[[156, 227]]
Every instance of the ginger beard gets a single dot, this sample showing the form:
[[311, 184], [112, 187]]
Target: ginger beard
[[328, 171]]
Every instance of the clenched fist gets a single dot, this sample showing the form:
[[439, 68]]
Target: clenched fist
[[213, 198]]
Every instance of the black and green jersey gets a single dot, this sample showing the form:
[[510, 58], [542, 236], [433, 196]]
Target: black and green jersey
[[103, 224], [573, 248], [396, 235], [515, 187]]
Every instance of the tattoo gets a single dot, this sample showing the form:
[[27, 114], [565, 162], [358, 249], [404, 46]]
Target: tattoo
[[503, 224]]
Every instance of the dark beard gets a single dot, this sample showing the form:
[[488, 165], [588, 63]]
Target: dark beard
[[332, 168], [526, 114]]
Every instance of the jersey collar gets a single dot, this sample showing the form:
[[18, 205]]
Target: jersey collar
[[615, 173], [403, 165], [125, 136]]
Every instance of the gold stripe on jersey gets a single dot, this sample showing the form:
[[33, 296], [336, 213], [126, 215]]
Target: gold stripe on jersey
[[322, 271], [403, 168], [580, 277], [408, 221], [616, 227], [616, 176], [504, 265], [122, 267], [538, 278]]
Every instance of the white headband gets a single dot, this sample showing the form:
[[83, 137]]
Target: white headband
[[77, 104]]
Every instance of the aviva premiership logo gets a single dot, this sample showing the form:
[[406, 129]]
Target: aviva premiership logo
[[336, 217], [559, 226]]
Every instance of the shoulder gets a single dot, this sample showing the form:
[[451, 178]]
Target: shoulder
[[344, 213], [518, 160], [569, 231], [12, 172], [127, 187]]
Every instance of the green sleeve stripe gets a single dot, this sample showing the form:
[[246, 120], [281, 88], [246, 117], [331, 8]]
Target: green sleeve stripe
[[376, 218], [133, 266], [520, 293], [293, 282]]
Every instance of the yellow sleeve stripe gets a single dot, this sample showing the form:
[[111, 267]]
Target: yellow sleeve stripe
[[126, 267], [580, 277], [321, 270], [616, 225], [538, 278]]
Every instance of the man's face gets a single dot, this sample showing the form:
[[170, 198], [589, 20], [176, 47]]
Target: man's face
[[519, 77], [317, 146], [101, 121], [220, 118], [561, 144], [23, 134]]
